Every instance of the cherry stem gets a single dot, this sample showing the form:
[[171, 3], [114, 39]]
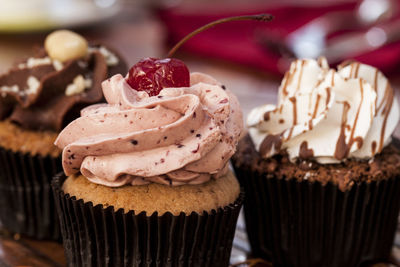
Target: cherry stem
[[259, 17]]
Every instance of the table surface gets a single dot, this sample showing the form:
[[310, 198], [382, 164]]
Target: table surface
[[137, 34], [21, 251]]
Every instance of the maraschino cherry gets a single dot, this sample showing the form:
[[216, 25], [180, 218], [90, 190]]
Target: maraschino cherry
[[152, 74]]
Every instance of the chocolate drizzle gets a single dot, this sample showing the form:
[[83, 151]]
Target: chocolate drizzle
[[373, 147], [301, 74], [285, 84], [316, 106], [328, 95], [271, 142], [359, 140], [294, 101], [266, 116], [364, 86], [345, 63], [48, 107], [388, 99], [341, 146], [305, 152], [355, 66], [376, 89]]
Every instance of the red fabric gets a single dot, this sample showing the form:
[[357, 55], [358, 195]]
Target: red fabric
[[236, 41]]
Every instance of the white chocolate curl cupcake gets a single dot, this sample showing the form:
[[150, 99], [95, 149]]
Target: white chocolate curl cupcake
[[182, 136], [327, 115]]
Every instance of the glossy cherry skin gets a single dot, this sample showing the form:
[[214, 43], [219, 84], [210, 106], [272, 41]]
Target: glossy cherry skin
[[152, 75]]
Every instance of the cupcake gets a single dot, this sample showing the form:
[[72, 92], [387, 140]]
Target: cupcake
[[38, 96], [146, 175], [321, 170]]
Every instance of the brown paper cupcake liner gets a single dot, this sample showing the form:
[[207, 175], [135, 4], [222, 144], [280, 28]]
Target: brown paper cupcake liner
[[26, 199], [293, 223], [101, 236]]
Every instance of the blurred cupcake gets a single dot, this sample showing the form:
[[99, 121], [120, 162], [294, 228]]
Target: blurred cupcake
[[154, 186], [38, 97], [321, 171]]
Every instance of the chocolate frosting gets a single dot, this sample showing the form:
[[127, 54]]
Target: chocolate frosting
[[47, 107]]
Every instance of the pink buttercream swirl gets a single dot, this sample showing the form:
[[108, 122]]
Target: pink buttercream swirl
[[182, 136]]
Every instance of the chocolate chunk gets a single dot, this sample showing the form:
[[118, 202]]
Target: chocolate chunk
[[197, 149]]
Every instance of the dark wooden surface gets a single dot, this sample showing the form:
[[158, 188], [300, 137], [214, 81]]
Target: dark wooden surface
[[21, 251]]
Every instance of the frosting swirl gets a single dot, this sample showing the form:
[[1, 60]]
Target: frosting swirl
[[327, 115], [182, 136]]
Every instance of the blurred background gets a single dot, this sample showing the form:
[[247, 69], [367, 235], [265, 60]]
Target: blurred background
[[248, 57], [366, 30]]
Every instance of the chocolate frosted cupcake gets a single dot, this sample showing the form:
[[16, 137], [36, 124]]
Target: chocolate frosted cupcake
[[38, 97], [154, 186], [321, 171]]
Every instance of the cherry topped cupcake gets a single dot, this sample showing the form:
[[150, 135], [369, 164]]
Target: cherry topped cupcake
[[182, 135], [152, 163], [38, 96], [322, 168]]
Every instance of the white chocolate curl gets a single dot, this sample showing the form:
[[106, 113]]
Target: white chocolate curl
[[64, 45], [182, 136], [327, 115]]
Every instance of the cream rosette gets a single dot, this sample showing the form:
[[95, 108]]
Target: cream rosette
[[327, 115], [182, 136]]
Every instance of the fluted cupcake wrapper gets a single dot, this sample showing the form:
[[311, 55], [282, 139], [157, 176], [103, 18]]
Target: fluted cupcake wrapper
[[305, 223], [26, 200], [101, 236]]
